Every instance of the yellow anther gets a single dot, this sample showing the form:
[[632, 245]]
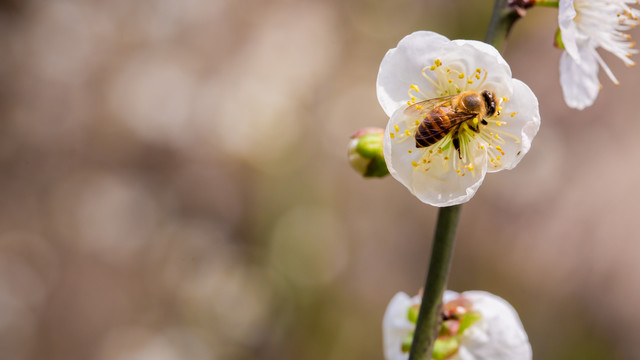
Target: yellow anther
[[470, 167], [458, 90], [482, 147], [424, 161], [498, 157], [450, 81], [408, 102], [478, 76], [437, 62], [505, 99], [415, 87], [496, 136], [458, 171], [448, 70], [392, 135], [478, 70], [409, 133], [499, 108], [413, 100], [409, 151], [417, 122], [470, 81], [475, 121], [446, 158], [396, 128], [439, 150], [500, 149], [433, 67], [498, 123], [415, 164], [419, 107], [461, 76], [513, 114]]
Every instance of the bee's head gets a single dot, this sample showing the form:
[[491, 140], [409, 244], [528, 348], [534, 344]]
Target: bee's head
[[490, 102]]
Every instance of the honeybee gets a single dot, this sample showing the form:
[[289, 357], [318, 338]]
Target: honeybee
[[445, 115]]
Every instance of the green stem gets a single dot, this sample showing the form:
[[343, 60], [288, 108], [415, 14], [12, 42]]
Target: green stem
[[502, 19], [429, 317]]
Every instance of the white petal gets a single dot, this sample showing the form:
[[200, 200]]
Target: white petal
[[521, 118], [402, 66], [470, 55], [396, 325], [579, 81], [441, 185], [568, 29], [498, 335], [449, 295]]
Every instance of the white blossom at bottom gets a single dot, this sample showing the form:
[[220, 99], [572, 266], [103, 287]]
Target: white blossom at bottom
[[497, 335]]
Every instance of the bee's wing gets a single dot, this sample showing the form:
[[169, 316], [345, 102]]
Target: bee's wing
[[455, 120], [422, 108]]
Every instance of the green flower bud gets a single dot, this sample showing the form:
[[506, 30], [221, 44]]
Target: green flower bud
[[365, 153]]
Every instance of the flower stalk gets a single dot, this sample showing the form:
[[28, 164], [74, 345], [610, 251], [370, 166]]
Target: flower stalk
[[505, 14], [429, 316]]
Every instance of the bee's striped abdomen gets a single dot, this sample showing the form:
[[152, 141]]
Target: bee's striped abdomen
[[434, 126]]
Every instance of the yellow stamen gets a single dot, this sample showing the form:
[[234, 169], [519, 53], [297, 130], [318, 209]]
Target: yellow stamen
[[392, 135], [396, 128], [415, 164], [461, 76]]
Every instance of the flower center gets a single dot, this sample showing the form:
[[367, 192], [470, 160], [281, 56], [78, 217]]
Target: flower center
[[457, 316], [459, 133]]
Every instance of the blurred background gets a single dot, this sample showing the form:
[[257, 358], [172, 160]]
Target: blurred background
[[174, 185]]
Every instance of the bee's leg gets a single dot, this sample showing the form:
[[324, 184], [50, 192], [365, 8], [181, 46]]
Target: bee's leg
[[456, 142], [484, 122]]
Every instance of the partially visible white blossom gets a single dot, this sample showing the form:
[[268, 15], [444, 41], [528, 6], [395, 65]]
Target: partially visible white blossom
[[585, 26], [497, 334], [425, 66]]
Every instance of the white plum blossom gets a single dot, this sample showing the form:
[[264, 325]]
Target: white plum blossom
[[585, 26], [495, 333], [425, 66]]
